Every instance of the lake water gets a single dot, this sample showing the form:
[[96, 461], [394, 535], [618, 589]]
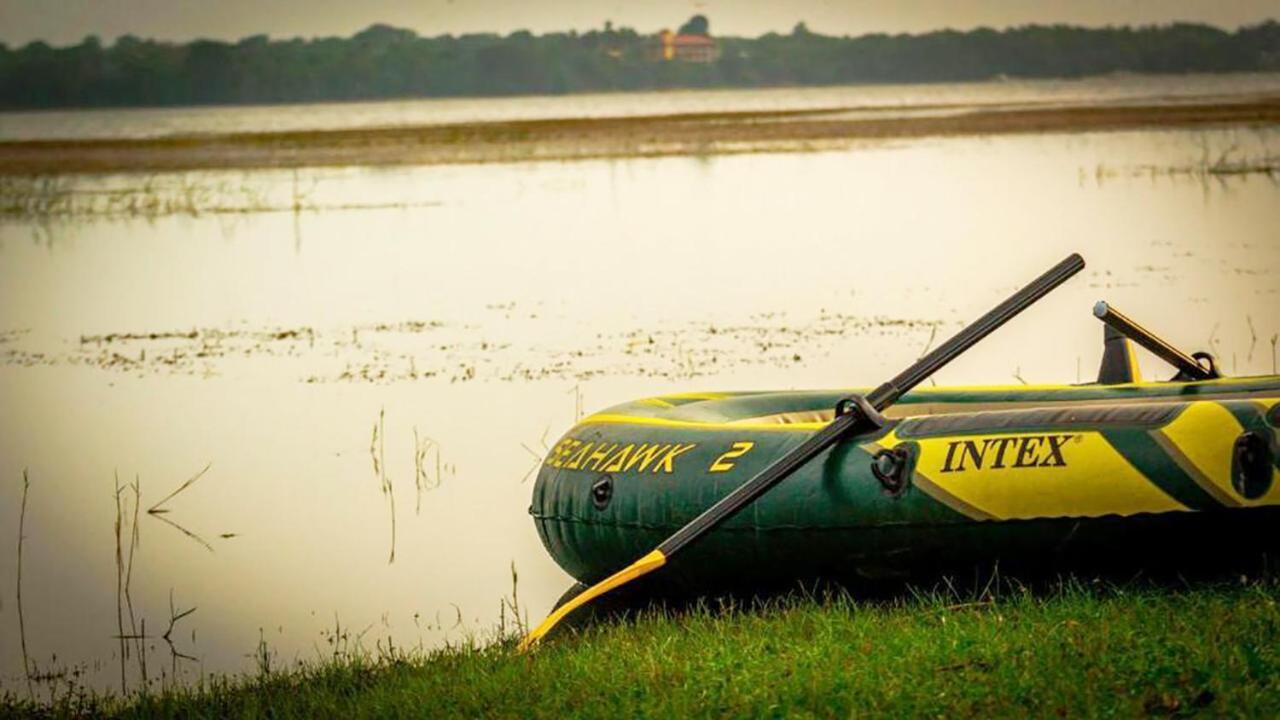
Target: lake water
[[472, 313], [868, 100]]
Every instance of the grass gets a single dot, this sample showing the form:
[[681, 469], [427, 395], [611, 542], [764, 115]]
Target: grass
[[1076, 650], [1217, 164], [151, 196]]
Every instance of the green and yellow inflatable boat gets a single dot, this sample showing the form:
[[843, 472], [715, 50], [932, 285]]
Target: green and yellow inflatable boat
[[1019, 474], [767, 488]]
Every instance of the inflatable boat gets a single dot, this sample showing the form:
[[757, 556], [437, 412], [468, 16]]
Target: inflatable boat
[[954, 475], [758, 488]]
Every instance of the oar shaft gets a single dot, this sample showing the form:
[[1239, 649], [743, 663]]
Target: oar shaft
[[888, 393], [880, 398], [1147, 339]]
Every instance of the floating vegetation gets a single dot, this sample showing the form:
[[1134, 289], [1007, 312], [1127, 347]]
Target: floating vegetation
[[1217, 164], [499, 351], [416, 350], [7, 336], [59, 196], [1228, 163]]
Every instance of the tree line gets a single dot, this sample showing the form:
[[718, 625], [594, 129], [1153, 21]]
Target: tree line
[[387, 62]]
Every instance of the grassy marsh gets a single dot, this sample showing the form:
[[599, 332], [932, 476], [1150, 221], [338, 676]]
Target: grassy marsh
[[52, 195], [1078, 649], [582, 138]]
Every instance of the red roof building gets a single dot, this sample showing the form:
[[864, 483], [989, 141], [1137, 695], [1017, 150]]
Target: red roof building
[[689, 48]]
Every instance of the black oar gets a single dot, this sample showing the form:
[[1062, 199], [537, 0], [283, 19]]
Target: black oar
[[853, 415]]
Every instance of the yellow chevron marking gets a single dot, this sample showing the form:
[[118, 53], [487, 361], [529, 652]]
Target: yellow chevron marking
[[1200, 440], [1095, 479]]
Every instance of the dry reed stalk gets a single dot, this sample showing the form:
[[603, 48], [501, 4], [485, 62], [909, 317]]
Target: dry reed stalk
[[537, 462], [200, 540], [22, 625], [380, 464], [135, 539], [120, 586], [158, 512], [156, 509], [1253, 337], [423, 480], [174, 617]]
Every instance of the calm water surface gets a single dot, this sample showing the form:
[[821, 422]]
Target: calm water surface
[[471, 313], [872, 101]]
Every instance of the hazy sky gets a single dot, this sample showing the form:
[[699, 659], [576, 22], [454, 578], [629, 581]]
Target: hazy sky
[[67, 21]]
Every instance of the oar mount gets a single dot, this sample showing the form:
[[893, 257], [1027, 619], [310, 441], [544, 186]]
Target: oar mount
[[871, 417], [1196, 366]]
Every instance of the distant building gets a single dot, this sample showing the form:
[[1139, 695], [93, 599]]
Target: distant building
[[689, 48]]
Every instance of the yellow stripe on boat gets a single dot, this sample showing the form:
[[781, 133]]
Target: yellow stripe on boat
[[1034, 475]]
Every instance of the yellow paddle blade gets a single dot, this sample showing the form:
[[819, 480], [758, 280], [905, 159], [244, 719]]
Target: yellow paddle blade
[[639, 568]]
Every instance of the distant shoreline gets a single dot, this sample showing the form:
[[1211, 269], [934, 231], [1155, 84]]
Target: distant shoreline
[[383, 62], [565, 139]]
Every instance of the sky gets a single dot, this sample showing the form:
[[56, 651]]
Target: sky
[[62, 22]]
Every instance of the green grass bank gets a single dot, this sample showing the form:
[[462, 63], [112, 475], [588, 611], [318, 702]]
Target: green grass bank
[[1076, 651]]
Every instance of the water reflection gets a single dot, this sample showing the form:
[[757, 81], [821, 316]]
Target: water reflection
[[474, 317]]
